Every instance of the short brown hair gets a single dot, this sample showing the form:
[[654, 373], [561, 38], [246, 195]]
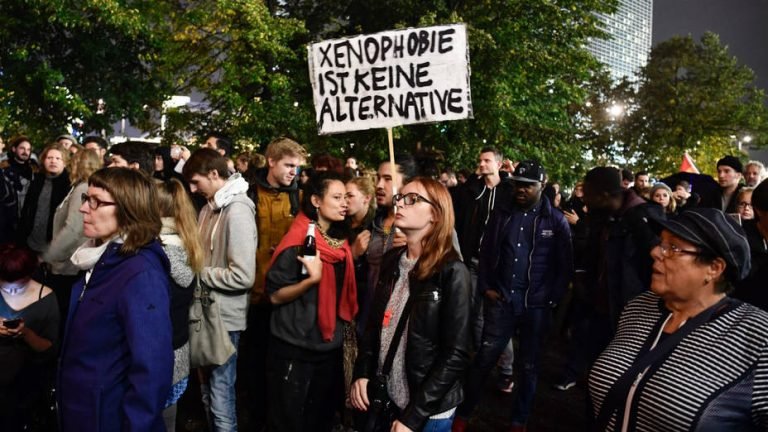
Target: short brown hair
[[83, 164], [18, 140], [135, 196], [203, 161], [281, 147]]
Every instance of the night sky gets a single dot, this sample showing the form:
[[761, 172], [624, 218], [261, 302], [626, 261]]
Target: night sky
[[741, 24]]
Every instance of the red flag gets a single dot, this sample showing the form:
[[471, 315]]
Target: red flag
[[688, 165]]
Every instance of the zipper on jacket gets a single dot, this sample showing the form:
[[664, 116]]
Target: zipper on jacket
[[503, 226], [530, 257]]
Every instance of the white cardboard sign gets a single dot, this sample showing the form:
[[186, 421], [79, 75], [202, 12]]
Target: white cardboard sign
[[392, 78]]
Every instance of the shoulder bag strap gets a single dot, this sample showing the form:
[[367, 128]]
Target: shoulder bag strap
[[390, 358], [622, 385]]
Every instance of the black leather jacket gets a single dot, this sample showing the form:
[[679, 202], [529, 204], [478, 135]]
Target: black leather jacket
[[438, 346]]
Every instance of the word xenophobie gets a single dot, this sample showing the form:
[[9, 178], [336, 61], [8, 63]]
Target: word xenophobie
[[349, 53], [391, 78]]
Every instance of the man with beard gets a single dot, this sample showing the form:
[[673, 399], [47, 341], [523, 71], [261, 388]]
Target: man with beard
[[384, 235], [275, 191], [18, 168], [642, 184], [525, 265], [754, 173]]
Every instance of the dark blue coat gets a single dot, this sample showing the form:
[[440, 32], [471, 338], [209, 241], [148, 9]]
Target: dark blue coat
[[116, 362], [550, 260]]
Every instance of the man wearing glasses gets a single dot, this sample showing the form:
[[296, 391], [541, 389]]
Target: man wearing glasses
[[525, 266]]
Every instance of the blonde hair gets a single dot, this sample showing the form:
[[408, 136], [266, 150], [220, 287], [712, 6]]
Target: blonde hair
[[172, 201], [281, 147], [670, 208], [437, 245], [367, 188], [83, 164]]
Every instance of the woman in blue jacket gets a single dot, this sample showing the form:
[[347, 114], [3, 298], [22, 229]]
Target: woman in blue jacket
[[117, 357]]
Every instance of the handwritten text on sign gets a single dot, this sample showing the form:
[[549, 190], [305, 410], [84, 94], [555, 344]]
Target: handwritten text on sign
[[391, 78]]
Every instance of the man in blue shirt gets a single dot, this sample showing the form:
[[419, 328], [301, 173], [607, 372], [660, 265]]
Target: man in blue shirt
[[526, 262]]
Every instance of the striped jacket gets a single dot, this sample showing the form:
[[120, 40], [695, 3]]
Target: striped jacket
[[715, 379]]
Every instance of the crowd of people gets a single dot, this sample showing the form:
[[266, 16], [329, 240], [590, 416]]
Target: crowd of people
[[423, 281]]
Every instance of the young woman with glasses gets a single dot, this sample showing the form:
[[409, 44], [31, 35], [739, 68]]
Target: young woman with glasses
[[426, 284]]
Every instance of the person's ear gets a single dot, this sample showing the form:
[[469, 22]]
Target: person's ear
[[213, 175], [716, 269]]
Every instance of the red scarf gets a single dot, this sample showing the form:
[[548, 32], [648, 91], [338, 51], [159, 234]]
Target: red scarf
[[326, 294]]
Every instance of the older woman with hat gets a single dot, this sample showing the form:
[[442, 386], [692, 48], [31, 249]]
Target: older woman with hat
[[686, 356]]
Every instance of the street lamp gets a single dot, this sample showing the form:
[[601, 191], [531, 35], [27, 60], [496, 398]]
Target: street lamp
[[615, 110]]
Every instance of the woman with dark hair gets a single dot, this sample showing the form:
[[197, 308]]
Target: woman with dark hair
[[753, 289], [116, 360], [29, 328], [417, 343], [164, 166], [304, 365], [685, 355]]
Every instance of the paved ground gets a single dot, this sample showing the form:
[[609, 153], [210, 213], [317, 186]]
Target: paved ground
[[553, 410]]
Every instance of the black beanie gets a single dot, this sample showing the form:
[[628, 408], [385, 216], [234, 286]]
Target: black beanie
[[731, 161], [604, 179]]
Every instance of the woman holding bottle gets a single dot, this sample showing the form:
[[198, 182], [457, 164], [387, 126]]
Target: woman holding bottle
[[312, 298]]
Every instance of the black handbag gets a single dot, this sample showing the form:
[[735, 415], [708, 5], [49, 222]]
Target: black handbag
[[382, 412]]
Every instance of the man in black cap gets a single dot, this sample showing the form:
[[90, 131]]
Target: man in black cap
[[729, 175], [525, 265]]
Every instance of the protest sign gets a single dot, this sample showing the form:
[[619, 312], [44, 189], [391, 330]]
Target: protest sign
[[392, 78]]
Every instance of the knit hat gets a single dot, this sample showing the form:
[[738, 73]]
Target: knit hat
[[711, 230], [731, 161], [67, 137], [604, 179]]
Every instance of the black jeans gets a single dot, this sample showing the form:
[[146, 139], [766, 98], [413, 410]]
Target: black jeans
[[305, 393]]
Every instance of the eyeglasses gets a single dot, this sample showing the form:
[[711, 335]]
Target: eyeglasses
[[410, 199], [93, 202], [667, 250], [744, 204]]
